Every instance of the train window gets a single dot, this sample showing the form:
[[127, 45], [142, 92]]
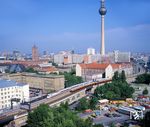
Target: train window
[[78, 95], [73, 98]]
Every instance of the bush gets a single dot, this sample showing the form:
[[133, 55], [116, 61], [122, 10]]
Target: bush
[[145, 91]]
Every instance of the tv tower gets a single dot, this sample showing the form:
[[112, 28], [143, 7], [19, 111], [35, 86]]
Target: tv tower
[[102, 12]]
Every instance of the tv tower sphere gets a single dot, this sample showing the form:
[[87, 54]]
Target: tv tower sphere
[[102, 10]]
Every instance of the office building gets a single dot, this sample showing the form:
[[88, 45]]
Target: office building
[[9, 90], [90, 51], [46, 83]]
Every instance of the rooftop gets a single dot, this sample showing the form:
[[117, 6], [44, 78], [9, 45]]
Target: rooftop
[[9, 83], [38, 75], [94, 66]]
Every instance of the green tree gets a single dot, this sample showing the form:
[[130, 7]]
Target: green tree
[[110, 95], [40, 117], [117, 89], [123, 76], [71, 79], [44, 116], [30, 70], [145, 91], [116, 76], [143, 78], [93, 102], [98, 125], [83, 104]]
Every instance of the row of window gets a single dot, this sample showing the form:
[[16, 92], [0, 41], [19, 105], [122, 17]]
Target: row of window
[[4, 89], [11, 92], [5, 106], [10, 96]]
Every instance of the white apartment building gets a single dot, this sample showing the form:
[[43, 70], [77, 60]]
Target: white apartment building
[[9, 90], [90, 51], [59, 58], [119, 57]]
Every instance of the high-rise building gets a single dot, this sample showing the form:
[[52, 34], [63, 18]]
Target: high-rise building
[[102, 12], [90, 51], [35, 54]]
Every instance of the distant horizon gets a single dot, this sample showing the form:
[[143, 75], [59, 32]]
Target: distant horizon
[[58, 25], [75, 52]]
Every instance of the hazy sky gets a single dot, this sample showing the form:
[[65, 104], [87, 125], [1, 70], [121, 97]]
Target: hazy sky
[[55, 25]]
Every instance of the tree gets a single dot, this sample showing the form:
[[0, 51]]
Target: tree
[[143, 78], [123, 76], [44, 116], [93, 102], [116, 76], [40, 117], [110, 95], [98, 125], [117, 89], [31, 70], [145, 91], [71, 79], [83, 104]]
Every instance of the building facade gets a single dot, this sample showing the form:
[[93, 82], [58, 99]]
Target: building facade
[[47, 83], [90, 51], [96, 71], [119, 57], [9, 90], [35, 54]]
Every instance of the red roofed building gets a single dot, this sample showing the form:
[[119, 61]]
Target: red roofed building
[[104, 70], [94, 71], [46, 70]]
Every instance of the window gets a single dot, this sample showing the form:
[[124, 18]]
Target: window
[[78, 95], [73, 98], [68, 100]]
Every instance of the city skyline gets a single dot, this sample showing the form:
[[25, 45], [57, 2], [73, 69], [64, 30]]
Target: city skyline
[[64, 25]]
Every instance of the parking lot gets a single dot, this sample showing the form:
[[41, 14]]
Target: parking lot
[[105, 118]]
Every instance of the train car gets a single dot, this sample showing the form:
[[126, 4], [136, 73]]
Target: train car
[[129, 111]]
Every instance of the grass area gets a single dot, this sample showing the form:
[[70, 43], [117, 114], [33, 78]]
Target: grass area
[[139, 88]]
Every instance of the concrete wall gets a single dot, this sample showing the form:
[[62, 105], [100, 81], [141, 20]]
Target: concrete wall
[[46, 83]]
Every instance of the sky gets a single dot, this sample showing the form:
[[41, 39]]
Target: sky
[[55, 25]]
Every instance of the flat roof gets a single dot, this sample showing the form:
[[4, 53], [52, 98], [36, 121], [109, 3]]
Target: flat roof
[[43, 75], [9, 83], [38, 75]]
